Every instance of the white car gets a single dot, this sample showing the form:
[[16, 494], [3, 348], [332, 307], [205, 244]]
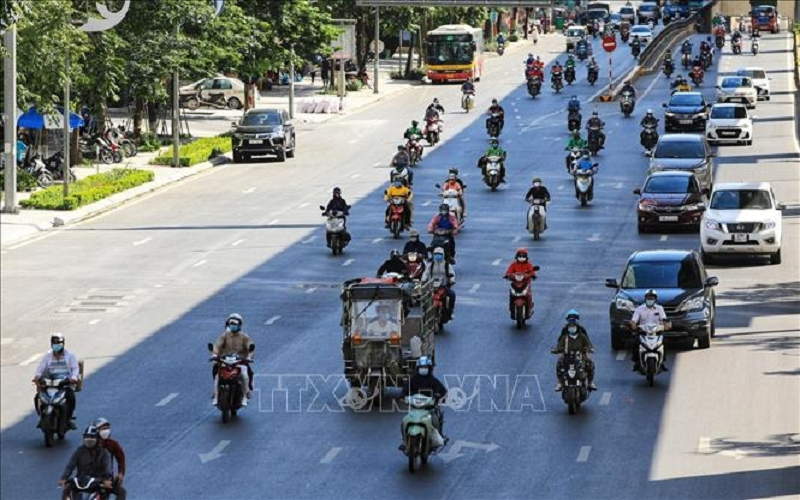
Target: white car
[[742, 218], [737, 89], [729, 123], [760, 80], [645, 35]]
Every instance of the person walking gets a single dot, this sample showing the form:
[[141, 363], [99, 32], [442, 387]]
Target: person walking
[[326, 67]]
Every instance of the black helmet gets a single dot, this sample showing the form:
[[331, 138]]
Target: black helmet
[[337, 190], [57, 338], [453, 170], [414, 123], [444, 207], [394, 254], [494, 101]]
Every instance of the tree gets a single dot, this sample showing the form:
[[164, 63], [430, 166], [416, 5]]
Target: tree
[[105, 73]]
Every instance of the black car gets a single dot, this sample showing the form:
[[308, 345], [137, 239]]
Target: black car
[[263, 132], [684, 152], [686, 111], [670, 199], [684, 290]]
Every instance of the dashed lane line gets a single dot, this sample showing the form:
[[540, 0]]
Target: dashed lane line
[[272, 320], [167, 400], [200, 263], [583, 455], [237, 243], [142, 242], [331, 455], [348, 262], [34, 358], [605, 399]]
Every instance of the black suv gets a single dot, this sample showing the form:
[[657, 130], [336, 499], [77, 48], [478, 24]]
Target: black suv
[[684, 289], [263, 132], [686, 111]]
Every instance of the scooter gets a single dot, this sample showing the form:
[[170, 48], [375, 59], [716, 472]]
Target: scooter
[[55, 165], [594, 140], [467, 101], [492, 178], [336, 232], [582, 52], [518, 297], [537, 218], [51, 406], [432, 131], [649, 138], [668, 69], [451, 199], [569, 75], [412, 147], [493, 127], [87, 488], [574, 120], [572, 157], [575, 388], [229, 383], [441, 304], [636, 50], [651, 351], [117, 137], [420, 438], [697, 75], [720, 41], [584, 182], [441, 239], [626, 104], [534, 86], [557, 84], [686, 60], [737, 47], [754, 47], [397, 208], [37, 168], [592, 76], [708, 59], [501, 48]]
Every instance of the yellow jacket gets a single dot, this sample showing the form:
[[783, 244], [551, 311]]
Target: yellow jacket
[[401, 192]]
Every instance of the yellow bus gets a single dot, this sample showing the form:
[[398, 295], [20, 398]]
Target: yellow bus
[[455, 52]]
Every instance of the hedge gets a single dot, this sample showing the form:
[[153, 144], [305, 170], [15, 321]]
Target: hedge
[[25, 181], [196, 152], [88, 190]]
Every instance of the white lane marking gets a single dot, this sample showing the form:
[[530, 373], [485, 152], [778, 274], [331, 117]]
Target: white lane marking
[[272, 320], [594, 237], [618, 185], [348, 262], [311, 290], [330, 455], [249, 190], [352, 141], [474, 288], [704, 445], [465, 139], [663, 237], [6, 340], [517, 239], [167, 400], [560, 187], [304, 205], [583, 455], [158, 286], [273, 222], [622, 355], [142, 242], [215, 453], [377, 164], [237, 243], [35, 357], [605, 399], [427, 203], [376, 240], [199, 263], [309, 240], [355, 176], [94, 321], [496, 262], [650, 87]]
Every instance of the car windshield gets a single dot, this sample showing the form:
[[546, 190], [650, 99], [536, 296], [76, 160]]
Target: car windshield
[[743, 199], [729, 112], [375, 319], [626, 10], [261, 119], [647, 8], [686, 100], [673, 184], [640, 29], [680, 149], [752, 73], [736, 82], [662, 274]]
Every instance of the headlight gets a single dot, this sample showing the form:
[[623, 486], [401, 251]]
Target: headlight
[[625, 304], [694, 304], [770, 224], [746, 126], [238, 136], [712, 224], [669, 114], [694, 206], [701, 114]]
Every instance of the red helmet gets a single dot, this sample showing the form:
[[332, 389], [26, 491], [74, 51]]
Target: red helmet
[[521, 252]]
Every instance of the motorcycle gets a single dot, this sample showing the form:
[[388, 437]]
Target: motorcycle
[[572, 157], [95, 147], [636, 50], [594, 140], [626, 104], [669, 68], [55, 165], [574, 119], [575, 388], [117, 137], [440, 300], [754, 47], [432, 130], [451, 199], [336, 232], [737, 46], [686, 60], [229, 384], [412, 147], [37, 168], [569, 75], [492, 172], [537, 218], [624, 34], [87, 488], [51, 406], [468, 101], [697, 75], [441, 239], [592, 76], [651, 351], [557, 84], [582, 52], [518, 297], [501, 48], [707, 58], [649, 138], [584, 181], [493, 127], [420, 438], [534, 86], [397, 208], [720, 41]]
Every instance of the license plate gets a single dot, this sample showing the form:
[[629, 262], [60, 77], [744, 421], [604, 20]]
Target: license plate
[[256, 141], [739, 238], [727, 134], [668, 218], [685, 122]]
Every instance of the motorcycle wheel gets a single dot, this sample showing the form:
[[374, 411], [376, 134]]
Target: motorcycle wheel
[[651, 371], [395, 228], [536, 229], [117, 157], [44, 179], [226, 415], [519, 312], [48, 439], [572, 404], [413, 448], [129, 148], [584, 200]]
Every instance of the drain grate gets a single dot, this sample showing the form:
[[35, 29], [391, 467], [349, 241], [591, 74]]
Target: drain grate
[[100, 300]]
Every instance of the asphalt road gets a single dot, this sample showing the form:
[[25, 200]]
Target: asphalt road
[[247, 238]]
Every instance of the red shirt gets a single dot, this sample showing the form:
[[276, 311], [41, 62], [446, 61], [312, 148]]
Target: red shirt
[[115, 449], [521, 268]]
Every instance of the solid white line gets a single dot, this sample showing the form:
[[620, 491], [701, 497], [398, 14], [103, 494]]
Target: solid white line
[[583, 455], [376, 240], [560, 187], [622, 355], [237, 243], [311, 290], [496, 262], [6, 340], [303, 205], [199, 263], [474, 288], [352, 141], [605, 399], [35, 357], [158, 286], [517, 239], [663, 237], [331, 455], [378, 164], [427, 203], [348, 262], [249, 190], [142, 242], [704, 445], [167, 400], [272, 320], [94, 321]]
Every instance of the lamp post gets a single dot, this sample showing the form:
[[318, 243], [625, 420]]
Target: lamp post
[[176, 131], [10, 103]]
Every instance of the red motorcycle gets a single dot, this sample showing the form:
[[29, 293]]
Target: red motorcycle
[[397, 216], [229, 383], [432, 130], [414, 149], [440, 304], [521, 297], [697, 75]]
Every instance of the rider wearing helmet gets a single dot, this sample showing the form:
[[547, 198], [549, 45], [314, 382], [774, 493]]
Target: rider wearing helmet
[[414, 130], [337, 203], [90, 459], [117, 455], [413, 245], [576, 141], [468, 87], [494, 150], [442, 270], [434, 107], [398, 190], [401, 156], [401, 170], [234, 341], [531, 59], [628, 88], [444, 220], [394, 264], [537, 191], [646, 314], [556, 70], [649, 121], [574, 105], [574, 338], [521, 265], [59, 361], [424, 382], [570, 62], [454, 183], [496, 108], [595, 122]]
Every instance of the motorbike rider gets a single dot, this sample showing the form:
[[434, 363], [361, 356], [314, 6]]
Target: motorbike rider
[[435, 107], [574, 338], [337, 204], [680, 84], [415, 266], [584, 163], [494, 150], [413, 245], [411, 131], [453, 182], [668, 63], [521, 265], [467, 88], [401, 157], [592, 65], [736, 37], [557, 72], [403, 172], [576, 141], [596, 122], [423, 382], [531, 59], [90, 459], [705, 47], [234, 341], [574, 105], [445, 220], [538, 192], [636, 44], [627, 87], [570, 63], [646, 314], [501, 40], [398, 190], [394, 264], [442, 269], [58, 360], [649, 121], [496, 108], [114, 448]]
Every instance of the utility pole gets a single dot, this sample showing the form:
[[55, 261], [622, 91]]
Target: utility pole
[[176, 129], [291, 82], [377, 52], [10, 104], [67, 112]]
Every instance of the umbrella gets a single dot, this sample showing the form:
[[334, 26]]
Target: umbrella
[[34, 120]]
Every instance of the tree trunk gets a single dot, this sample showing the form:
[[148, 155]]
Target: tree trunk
[[102, 112], [410, 54], [152, 116], [138, 108]]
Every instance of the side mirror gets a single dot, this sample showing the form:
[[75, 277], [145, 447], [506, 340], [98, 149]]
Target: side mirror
[[611, 283], [535, 268], [251, 348], [210, 347], [595, 165], [781, 206], [664, 105], [637, 191], [322, 208], [718, 87], [712, 281], [438, 186]]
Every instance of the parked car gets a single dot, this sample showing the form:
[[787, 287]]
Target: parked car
[[685, 152], [263, 132], [648, 11], [760, 80], [193, 95], [644, 33], [670, 199], [737, 89], [685, 291], [686, 111], [729, 123], [743, 218]]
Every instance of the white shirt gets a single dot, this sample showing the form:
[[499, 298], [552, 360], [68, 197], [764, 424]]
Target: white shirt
[[644, 315], [66, 363]]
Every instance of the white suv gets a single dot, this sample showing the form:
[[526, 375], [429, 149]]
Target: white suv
[[742, 218], [759, 78]]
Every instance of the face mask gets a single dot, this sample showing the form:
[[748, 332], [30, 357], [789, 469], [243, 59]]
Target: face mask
[[537, 184], [415, 238], [424, 372], [650, 302], [573, 330], [234, 328], [443, 213], [521, 259], [89, 442], [438, 257], [57, 348], [105, 433]]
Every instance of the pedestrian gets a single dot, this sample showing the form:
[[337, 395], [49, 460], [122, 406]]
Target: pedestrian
[[313, 74], [325, 69]]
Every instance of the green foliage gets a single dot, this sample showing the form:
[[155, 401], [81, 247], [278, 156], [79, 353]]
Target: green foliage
[[414, 74], [148, 143], [88, 190], [353, 86], [25, 181], [198, 151], [106, 71]]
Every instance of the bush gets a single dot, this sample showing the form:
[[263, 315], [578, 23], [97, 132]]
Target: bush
[[88, 190], [198, 151], [25, 181], [353, 86], [148, 143], [414, 74], [513, 37]]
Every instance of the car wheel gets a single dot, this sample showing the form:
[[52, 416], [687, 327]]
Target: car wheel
[[237, 157], [290, 153], [704, 342], [282, 155], [617, 340], [775, 258], [749, 143], [234, 103], [713, 322]]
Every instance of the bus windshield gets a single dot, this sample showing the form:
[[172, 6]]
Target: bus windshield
[[450, 49]]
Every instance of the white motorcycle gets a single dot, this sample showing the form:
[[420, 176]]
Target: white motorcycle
[[537, 217], [651, 351], [467, 101], [493, 172], [584, 182], [420, 437], [336, 233]]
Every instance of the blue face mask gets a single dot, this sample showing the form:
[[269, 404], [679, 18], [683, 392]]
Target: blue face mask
[[57, 348], [438, 257], [234, 328]]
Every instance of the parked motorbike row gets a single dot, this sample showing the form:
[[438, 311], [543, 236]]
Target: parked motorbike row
[[109, 147]]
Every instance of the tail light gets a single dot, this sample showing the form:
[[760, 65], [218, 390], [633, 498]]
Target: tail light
[[356, 338], [394, 338]]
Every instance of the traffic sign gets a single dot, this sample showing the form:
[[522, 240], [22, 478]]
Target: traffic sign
[[609, 43], [381, 46]]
